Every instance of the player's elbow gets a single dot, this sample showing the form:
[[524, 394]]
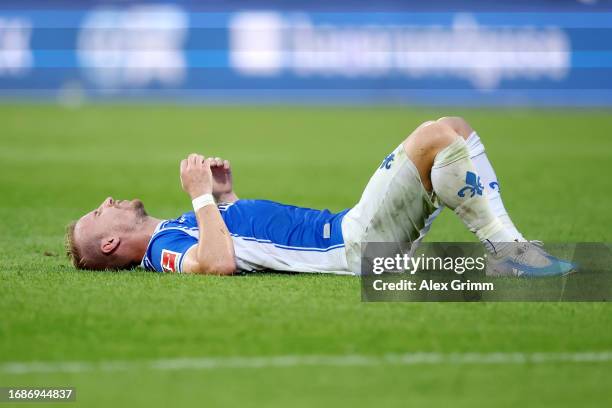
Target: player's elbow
[[226, 268], [218, 267]]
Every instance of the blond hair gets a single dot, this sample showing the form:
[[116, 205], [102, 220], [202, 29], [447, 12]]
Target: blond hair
[[72, 250]]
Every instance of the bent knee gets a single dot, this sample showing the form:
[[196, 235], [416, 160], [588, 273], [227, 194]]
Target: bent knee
[[434, 135], [458, 124], [424, 124]]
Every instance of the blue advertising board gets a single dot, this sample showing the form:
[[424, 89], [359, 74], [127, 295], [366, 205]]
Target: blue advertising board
[[454, 53]]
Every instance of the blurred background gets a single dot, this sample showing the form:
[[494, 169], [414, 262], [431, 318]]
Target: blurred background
[[476, 52]]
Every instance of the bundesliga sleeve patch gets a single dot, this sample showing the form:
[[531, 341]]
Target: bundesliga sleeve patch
[[170, 260]]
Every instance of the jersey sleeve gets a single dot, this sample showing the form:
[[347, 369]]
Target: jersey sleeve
[[168, 249]]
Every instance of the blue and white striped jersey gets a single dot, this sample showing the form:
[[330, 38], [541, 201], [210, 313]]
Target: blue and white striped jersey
[[266, 235]]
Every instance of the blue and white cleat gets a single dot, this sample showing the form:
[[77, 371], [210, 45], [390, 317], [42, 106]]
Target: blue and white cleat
[[527, 260]]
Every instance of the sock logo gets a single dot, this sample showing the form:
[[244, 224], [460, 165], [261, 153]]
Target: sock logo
[[494, 185], [386, 163], [473, 185]]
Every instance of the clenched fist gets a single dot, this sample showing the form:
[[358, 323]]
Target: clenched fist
[[196, 176]]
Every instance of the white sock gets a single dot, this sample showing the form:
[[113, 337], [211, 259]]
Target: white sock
[[457, 185], [489, 180]]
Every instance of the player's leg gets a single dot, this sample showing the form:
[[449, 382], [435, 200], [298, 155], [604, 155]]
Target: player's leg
[[443, 161], [394, 208], [484, 169], [396, 205]]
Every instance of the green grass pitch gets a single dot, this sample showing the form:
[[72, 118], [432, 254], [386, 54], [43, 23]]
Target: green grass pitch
[[56, 163]]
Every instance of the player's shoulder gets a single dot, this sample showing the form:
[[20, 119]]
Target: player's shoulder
[[175, 230], [169, 243], [184, 221]]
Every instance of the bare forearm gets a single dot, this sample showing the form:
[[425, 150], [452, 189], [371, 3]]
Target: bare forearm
[[215, 251]]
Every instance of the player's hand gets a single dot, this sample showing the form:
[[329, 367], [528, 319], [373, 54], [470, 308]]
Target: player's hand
[[196, 175], [222, 176]]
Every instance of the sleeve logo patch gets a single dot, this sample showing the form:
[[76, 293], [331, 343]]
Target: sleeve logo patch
[[169, 261]]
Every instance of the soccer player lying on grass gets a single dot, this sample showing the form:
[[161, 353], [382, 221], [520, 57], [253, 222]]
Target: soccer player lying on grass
[[441, 164]]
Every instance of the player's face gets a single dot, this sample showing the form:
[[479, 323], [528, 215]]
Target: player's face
[[111, 216]]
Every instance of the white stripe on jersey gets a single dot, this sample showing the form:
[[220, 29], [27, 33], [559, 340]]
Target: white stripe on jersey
[[254, 255]]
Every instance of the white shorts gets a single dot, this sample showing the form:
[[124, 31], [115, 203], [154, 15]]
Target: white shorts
[[394, 207]]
